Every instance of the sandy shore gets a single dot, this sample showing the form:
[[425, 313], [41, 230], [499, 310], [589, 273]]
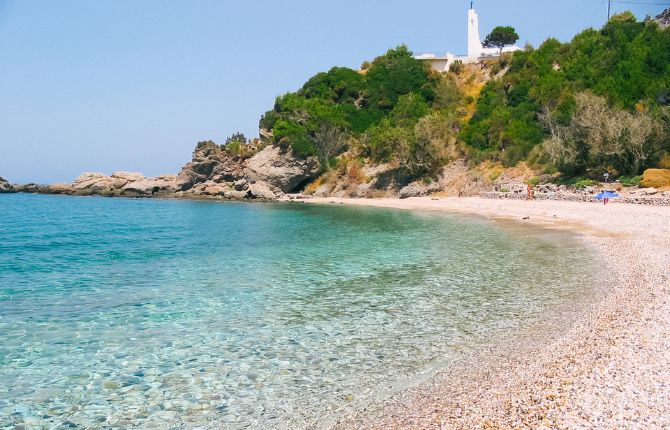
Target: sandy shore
[[610, 370]]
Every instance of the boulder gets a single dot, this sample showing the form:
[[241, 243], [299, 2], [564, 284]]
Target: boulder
[[128, 176], [97, 183], [281, 168], [213, 189], [60, 188], [259, 190], [30, 188], [240, 184], [418, 188], [5, 186], [235, 195], [164, 184]]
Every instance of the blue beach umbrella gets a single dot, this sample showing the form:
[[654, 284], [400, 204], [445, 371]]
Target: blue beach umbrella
[[607, 195]]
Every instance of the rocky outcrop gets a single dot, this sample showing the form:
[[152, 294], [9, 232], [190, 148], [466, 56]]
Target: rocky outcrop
[[262, 173], [60, 188], [97, 183], [212, 163], [129, 184], [214, 172], [281, 168], [5, 186], [663, 19], [418, 189], [260, 190], [30, 188], [160, 185]]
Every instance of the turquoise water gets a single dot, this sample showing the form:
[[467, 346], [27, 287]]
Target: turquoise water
[[175, 314]]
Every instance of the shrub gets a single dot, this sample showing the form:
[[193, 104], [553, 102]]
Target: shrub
[[456, 67], [630, 181], [583, 183], [495, 173], [656, 178], [535, 180], [234, 147]]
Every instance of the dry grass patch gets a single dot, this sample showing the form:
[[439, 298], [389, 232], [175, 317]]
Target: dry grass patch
[[657, 178]]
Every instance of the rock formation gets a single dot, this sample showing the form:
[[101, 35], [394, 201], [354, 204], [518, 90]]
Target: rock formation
[[663, 19], [5, 186], [255, 172], [263, 173], [281, 169]]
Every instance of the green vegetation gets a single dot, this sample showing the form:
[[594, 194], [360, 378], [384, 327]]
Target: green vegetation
[[580, 183], [630, 181], [501, 37], [535, 180], [235, 144], [598, 103], [398, 112]]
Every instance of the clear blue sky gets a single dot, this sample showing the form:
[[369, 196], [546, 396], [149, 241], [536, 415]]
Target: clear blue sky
[[105, 85]]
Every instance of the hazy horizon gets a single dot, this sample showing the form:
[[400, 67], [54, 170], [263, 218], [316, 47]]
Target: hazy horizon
[[123, 85]]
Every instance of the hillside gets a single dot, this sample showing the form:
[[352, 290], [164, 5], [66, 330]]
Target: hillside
[[599, 103]]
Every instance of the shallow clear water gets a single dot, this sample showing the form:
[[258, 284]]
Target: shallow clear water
[[140, 313]]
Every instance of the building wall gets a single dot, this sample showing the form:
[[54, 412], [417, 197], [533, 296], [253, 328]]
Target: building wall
[[474, 43]]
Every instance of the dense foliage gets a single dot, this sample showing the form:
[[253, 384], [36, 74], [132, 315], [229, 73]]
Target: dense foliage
[[553, 93], [501, 37], [599, 102], [377, 112]]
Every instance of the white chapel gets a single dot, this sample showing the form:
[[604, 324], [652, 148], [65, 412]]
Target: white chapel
[[476, 51]]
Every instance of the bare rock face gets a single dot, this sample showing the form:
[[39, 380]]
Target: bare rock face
[[260, 190], [281, 169], [663, 19], [128, 176], [160, 185], [418, 189], [30, 188], [266, 174], [97, 183], [60, 188], [5, 186], [210, 163]]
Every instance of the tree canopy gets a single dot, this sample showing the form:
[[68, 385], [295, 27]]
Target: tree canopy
[[501, 37]]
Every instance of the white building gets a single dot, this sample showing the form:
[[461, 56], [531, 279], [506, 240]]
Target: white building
[[476, 51]]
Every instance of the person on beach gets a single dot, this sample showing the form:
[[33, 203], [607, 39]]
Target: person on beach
[[530, 192], [606, 200]]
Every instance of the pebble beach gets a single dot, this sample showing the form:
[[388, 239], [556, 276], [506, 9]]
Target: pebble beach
[[610, 369]]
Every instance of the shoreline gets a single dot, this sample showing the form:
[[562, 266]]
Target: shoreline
[[611, 369]]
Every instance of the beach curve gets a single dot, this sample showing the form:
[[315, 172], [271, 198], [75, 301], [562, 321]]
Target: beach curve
[[610, 370]]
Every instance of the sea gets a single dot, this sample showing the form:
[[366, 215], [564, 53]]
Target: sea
[[148, 313]]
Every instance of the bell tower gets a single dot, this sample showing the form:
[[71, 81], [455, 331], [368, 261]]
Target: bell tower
[[474, 43]]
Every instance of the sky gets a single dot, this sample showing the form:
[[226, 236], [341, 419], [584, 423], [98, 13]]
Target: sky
[[133, 85]]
